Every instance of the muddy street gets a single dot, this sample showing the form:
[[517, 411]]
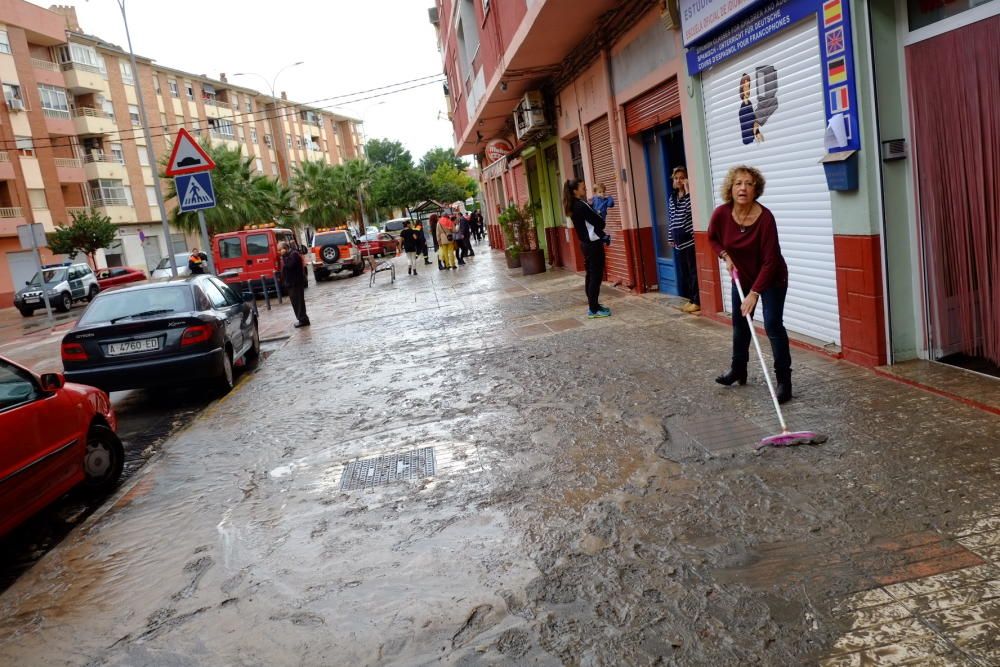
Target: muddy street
[[461, 468]]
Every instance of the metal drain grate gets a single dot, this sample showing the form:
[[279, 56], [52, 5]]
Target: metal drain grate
[[402, 466]]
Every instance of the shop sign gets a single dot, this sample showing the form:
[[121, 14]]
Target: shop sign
[[836, 50], [497, 149], [700, 17]]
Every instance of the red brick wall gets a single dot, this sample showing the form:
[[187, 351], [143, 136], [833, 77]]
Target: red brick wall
[[859, 294], [709, 282]]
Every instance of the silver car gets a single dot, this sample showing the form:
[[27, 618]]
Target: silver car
[[64, 284], [162, 270]]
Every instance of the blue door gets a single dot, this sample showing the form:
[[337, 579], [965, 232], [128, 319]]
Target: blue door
[[663, 147]]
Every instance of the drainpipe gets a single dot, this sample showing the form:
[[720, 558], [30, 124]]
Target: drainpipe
[[638, 280]]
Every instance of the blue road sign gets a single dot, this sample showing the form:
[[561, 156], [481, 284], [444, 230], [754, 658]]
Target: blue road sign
[[194, 191]]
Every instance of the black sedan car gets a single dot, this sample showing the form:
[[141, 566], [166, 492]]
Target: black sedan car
[[182, 332]]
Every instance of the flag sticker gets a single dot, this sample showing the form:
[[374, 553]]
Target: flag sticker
[[833, 13], [839, 100], [836, 71], [835, 42]]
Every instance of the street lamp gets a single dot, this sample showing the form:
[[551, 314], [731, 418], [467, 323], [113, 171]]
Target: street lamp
[[272, 85], [149, 145]]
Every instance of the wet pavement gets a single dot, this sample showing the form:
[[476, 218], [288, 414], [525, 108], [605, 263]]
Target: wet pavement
[[590, 497]]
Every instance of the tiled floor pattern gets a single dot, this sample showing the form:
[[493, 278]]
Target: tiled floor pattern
[[919, 616]]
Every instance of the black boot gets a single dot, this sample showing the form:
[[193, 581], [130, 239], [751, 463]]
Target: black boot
[[784, 388], [736, 373]]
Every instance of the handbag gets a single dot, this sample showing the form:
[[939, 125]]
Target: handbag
[[450, 237]]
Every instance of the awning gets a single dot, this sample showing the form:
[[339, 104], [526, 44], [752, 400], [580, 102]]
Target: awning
[[495, 169]]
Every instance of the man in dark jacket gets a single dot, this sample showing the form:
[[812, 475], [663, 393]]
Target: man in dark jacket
[[197, 262], [293, 277]]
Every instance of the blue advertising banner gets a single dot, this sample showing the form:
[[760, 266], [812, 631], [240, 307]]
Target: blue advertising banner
[[836, 49]]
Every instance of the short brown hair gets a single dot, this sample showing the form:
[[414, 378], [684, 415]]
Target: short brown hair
[[726, 192]]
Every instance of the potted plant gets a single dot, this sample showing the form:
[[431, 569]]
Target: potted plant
[[532, 256], [511, 223]]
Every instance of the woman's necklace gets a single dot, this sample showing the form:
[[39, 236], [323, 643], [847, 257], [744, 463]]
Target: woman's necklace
[[741, 220]]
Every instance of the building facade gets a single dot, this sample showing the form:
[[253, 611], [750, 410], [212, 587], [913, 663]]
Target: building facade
[[838, 103], [72, 138]]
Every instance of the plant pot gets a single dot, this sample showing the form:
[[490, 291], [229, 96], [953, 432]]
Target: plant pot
[[532, 262], [513, 260]]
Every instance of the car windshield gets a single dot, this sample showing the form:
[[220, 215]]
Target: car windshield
[[372, 236], [116, 305], [51, 276], [181, 260], [326, 238]]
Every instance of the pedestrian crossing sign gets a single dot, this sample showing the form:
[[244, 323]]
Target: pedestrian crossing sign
[[194, 191]]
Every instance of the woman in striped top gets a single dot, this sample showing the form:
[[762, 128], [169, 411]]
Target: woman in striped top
[[681, 234]]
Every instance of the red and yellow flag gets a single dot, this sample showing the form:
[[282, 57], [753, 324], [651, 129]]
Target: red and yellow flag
[[836, 71], [833, 13]]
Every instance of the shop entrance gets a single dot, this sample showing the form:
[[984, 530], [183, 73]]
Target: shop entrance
[[663, 147], [959, 196]]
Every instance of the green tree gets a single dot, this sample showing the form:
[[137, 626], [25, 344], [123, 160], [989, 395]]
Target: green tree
[[243, 197], [388, 153], [435, 157], [399, 187], [87, 233], [450, 184], [324, 194]]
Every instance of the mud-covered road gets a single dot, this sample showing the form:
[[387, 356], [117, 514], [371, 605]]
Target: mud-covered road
[[595, 500]]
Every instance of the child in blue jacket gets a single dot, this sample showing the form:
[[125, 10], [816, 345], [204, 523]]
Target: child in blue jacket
[[601, 203]]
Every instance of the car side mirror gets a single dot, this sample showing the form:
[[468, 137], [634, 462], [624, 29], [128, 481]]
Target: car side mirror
[[52, 382]]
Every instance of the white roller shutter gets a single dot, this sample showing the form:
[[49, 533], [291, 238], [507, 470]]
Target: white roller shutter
[[788, 157]]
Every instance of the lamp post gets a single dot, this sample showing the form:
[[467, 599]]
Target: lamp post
[[272, 85], [149, 145]]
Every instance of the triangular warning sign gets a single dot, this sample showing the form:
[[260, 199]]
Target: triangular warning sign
[[187, 157], [195, 195]]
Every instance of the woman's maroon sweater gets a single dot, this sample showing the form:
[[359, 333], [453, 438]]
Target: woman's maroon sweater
[[755, 251]]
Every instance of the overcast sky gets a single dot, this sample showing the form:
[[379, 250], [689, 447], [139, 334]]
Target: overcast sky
[[347, 47]]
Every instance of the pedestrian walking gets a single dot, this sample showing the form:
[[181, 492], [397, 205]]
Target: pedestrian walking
[[744, 234], [681, 234], [197, 262], [409, 237], [434, 220], [421, 241], [458, 234], [446, 243], [293, 276], [600, 202], [477, 226], [465, 227], [589, 227]]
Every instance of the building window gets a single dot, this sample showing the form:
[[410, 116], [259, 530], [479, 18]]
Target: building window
[[288, 140], [576, 157], [249, 106], [172, 85], [179, 243], [117, 154], [108, 192], [12, 96], [128, 78], [54, 102], [267, 140], [156, 85], [220, 127], [113, 254], [84, 56], [25, 146], [37, 199], [4, 42], [151, 195], [143, 155], [259, 164], [208, 94], [133, 114], [163, 120], [107, 106], [190, 90], [253, 135]]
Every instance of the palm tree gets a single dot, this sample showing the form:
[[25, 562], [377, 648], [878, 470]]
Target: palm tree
[[323, 193]]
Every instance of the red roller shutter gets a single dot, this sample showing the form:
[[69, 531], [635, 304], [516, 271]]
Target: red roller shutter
[[653, 107], [603, 168]]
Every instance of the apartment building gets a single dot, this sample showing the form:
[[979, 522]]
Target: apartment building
[[71, 137]]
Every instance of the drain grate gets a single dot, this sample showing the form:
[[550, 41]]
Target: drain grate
[[389, 468]]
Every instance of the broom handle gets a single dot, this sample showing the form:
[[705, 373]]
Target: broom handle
[[760, 354]]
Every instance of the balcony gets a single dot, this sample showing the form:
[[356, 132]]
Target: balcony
[[58, 121], [10, 218], [116, 208], [6, 168], [47, 72], [87, 120], [82, 78], [70, 170], [101, 165]]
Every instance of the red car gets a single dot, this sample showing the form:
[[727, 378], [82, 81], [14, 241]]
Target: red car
[[378, 244], [56, 435], [119, 275]]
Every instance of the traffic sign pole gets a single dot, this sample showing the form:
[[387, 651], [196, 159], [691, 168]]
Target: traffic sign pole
[[204, 241]]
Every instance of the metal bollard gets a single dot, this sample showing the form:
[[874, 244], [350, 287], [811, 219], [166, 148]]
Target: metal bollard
[[277, 286], [267, 297]]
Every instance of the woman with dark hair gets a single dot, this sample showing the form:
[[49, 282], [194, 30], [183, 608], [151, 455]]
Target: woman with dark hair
[[744, 235], [589, 227], [749, 127]]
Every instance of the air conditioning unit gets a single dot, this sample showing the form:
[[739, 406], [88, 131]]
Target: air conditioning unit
[[15, 105], [529, 116]]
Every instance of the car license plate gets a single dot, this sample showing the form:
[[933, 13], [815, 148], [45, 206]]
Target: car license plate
[[133, 346], [32, 299], [336, 266]]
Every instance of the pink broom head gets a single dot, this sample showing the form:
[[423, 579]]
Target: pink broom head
[[792, 439]]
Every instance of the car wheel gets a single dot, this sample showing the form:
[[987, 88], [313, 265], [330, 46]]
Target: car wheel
[[103, 460], [358, 270], [64, 303], [26, 312], [94, 289], [254, 351], [225, 381]]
